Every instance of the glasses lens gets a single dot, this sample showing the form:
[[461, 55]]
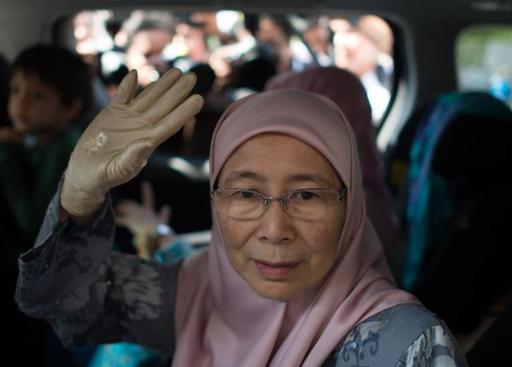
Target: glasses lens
[[238, 203], [311, 204]]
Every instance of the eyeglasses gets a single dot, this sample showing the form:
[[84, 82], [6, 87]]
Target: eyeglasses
[[246, 204]]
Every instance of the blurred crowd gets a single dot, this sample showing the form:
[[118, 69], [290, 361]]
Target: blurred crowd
[[233, 54]]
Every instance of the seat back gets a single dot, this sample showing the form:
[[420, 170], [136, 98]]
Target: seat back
[[457, 207]]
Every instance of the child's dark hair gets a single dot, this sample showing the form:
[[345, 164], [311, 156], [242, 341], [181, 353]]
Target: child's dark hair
[[60, 68]]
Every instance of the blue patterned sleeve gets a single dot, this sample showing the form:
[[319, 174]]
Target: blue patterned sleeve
[[90, 294], [401, 336], [435, 347]]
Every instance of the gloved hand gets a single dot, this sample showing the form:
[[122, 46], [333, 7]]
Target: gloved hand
[[116, 145]]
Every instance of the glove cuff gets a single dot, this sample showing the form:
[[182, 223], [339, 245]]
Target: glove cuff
[[79, 202]]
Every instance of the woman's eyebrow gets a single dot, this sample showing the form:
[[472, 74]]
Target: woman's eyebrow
[[312, 177], [293, 179], [237, 175]]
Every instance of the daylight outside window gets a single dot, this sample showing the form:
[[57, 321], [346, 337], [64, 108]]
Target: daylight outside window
[[484, 60]]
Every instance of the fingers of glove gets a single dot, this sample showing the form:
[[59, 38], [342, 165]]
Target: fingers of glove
[[171, 99], [149, 95], [127, 164], [175, 120], [126, 90]]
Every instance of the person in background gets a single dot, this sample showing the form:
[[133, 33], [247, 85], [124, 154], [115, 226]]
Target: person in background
[[193, 37], [276, 32], [318, 37], [357, 52], [92, 40], [49, 88], [147, 34], [380, 32]]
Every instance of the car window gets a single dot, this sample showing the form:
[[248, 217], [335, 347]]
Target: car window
[[238, 46], [484, 60]]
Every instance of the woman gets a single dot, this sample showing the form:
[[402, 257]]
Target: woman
[[298, 282], [345, 89]]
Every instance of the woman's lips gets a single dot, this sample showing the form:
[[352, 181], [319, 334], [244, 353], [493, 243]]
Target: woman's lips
[[275, 271]]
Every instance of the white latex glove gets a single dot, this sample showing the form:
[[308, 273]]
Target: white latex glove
[[116, 145]]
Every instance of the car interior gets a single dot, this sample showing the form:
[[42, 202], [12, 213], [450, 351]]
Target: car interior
[[441, 98]]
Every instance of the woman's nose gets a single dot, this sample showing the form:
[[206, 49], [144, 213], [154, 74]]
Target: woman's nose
[[275, 225]]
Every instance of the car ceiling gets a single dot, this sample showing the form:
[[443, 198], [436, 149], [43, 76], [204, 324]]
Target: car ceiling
[[462, 10]]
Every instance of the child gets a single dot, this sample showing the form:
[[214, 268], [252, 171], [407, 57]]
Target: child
[[49, 88]]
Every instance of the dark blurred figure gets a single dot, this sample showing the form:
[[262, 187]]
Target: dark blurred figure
[[253, 74], [197, 134], [113, 79]]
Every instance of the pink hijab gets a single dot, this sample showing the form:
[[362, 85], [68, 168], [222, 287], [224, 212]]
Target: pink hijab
[[346, 90], [220, 320]]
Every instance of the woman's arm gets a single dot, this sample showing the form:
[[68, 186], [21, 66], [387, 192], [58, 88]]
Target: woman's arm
[[88, 293], [71, 278]]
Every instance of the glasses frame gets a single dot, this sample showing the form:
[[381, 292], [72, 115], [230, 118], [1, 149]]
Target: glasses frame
[[283, 198]]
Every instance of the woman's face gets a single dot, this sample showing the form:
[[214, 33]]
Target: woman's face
[[280, 256]]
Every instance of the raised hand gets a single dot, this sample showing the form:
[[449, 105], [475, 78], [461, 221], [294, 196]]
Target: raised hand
[[142, 220], [116, 145]]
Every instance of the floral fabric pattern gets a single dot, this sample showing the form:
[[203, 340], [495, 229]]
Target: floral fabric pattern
[[362, 343], [433, 348], [402, 336]]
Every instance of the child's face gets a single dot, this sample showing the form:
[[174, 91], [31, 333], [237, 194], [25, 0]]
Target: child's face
[[35, 106]]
